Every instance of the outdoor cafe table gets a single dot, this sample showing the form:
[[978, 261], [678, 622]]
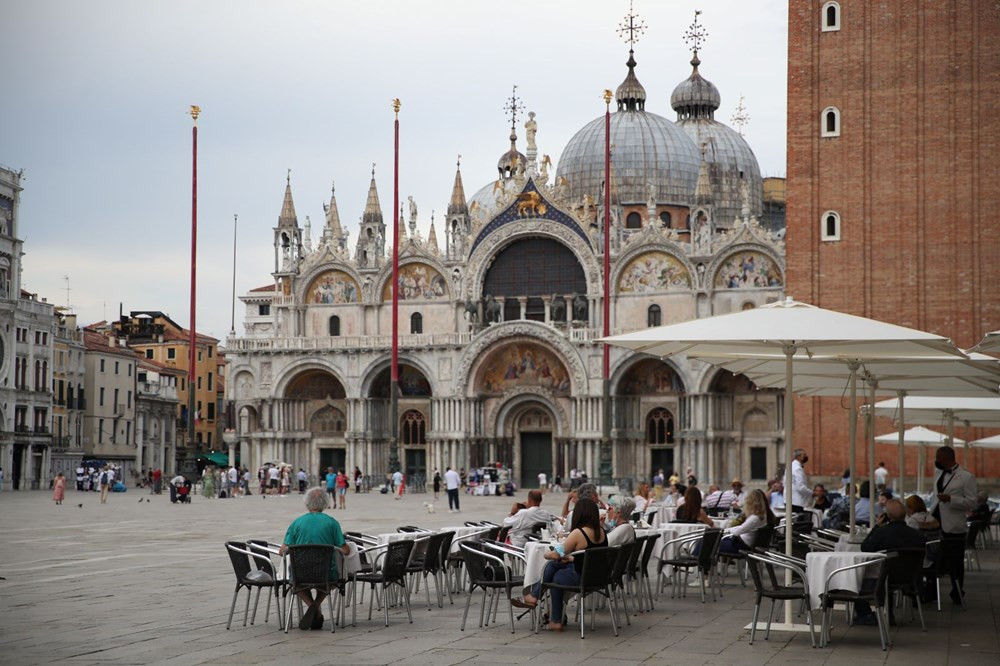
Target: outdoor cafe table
[[534, 564], [463, 531], [664, 514], [819, 565]]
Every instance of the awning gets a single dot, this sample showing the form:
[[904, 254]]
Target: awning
[[216, 458]]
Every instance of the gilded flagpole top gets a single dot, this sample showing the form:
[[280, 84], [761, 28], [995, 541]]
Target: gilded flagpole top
[[608, 96], [194, 112], [395, 106]]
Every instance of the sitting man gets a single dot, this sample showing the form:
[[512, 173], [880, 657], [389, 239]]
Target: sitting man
[[616, 520], [583, 491], [981, 513], [821, 501], [895, 533], [712, 501], [522, 521], [312, 528], [776, 495]]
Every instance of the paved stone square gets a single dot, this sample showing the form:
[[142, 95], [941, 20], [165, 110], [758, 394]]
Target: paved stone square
[[137, 582]]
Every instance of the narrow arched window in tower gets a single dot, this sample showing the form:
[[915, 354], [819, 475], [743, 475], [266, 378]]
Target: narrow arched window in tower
[[660, 427], [665, 219], [334, 326], [831, 17], [653, 315], [830, 122], [416, 323], [830, 226], [412, 428], [633, 221]]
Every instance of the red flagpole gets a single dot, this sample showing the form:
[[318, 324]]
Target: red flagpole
[[192, 354], [606, 467], [394, 384]]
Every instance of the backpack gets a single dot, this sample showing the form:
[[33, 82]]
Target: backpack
[[104, 478]]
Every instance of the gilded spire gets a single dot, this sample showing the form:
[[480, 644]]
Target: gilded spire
[[287, 217], [373, 209], [457, 205]]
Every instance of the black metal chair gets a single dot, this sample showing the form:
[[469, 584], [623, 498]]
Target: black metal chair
[[249, 577], [647, 555], [625, 555], [430, 564], [905, 572], [632, 573], [595, 576], [489, 573], [704, 562], [875, 595], [309, 569], [767, 587], [280, 582], [394, 562]]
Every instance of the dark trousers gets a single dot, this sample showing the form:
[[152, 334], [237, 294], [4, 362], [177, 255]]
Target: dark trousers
[[560, 573], [953, 559], [453, 498]]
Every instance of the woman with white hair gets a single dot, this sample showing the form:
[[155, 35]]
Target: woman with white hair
[[616, 520], [315, 528]]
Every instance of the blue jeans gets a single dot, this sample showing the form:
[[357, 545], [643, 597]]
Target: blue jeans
[[560, 573]]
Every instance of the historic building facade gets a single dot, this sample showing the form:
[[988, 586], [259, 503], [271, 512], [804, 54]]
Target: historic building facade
[[892, 137], [499, 359]]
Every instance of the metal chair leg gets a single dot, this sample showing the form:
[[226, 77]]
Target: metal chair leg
[[256, 600], [465, 615], [753, 623], [246, 609], [232, 607]]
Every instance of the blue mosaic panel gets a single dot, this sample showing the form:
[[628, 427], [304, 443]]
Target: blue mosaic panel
[[513, 213]]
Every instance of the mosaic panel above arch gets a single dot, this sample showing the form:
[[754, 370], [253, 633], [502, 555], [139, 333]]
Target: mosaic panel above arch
[[650, 377], [418, 282], [653, 271], [522, 364], [315, 385], [333, 287], [748, 270], [412, 383]]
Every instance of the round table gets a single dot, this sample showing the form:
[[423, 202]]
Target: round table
[[821, 564]]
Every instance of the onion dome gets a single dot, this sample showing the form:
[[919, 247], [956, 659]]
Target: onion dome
[[508, 163], [647, 151], [695, 97]]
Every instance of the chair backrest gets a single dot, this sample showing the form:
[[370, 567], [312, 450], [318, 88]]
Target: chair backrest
[[632, 567], [309, 564], [259, 546], [502, 535], [240, 561], [883, 577], [493, 533], [907, 567], [470, 523], [408, 529], [754, 564], [763, 537], [598, 563], [625, 555], [709, 553], [396, 559], [445, 549], [537, 528], [647, 552], [432, 556], [650, 516]]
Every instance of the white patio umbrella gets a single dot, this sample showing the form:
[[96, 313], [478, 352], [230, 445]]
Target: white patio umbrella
[[922, 437], [975, 376], [987, 442], [793, 331], [990, 344]]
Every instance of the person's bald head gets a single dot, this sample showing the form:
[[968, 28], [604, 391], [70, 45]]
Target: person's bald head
[[895, 510], [534, 498]]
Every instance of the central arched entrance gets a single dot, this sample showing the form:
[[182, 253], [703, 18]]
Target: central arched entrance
[[532, 430]]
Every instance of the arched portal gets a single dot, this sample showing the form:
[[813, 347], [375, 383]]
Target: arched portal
[[316, 402], [414, 402], [532, 268], [651, 393], [530, 429]]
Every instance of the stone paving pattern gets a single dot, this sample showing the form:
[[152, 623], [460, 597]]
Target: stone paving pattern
[[137, 582]]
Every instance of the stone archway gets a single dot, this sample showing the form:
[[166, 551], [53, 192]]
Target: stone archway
[[530, 428]]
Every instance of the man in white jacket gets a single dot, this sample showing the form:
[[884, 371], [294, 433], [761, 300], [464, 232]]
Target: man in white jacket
[[956, 494], [522, 521]]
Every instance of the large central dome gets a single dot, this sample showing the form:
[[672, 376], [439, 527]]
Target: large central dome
[[648, 152]]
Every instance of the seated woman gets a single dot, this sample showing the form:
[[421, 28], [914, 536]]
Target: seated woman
[[917, 516], [616, 523], [563, 569], [674, 495], [743, 530], [691, 511], [642, 496]]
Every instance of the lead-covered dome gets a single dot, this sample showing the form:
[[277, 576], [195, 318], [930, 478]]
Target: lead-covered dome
[[647, 151]]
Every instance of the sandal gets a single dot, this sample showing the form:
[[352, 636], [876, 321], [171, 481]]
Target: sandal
[[521, 603]]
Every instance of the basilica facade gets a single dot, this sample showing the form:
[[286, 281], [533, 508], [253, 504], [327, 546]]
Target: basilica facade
[[499, 359]]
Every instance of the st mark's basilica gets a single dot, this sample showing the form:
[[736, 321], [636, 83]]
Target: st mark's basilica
[[498, 324]]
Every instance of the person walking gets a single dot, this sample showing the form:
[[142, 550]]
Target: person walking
[[234, 481], [331, 486], [79, 477], [105, 481], [358, 476], [437, 484], [342, 485], [956, 494], [301, 476], [881, 477], [451, 483], [400, 479], [59, 488]]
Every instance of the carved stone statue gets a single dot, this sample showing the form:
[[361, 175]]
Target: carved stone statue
[[579, 307], [543, 176], [472, 312], [413, 210], [704, 237], [651, 200], [530, 129], [557, 310], [745, 199]]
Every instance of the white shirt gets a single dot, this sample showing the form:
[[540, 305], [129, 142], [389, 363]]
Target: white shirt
[[777, 500], [522, 522], [234, 476], [881, 474], [542, 479], [620, 535], [747, 529], [452, 480], [397, 478], [801, 493], [272, 474]]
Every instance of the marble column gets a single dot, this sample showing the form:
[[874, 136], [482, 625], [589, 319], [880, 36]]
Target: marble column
[[140, 423]]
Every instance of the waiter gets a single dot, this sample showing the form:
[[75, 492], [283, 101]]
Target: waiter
[[956, 494]]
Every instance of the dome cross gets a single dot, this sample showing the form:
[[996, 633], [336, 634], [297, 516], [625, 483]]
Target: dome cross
[[695, 35], [631, 28], [512, 107]]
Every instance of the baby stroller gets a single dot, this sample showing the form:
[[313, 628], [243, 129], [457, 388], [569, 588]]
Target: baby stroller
[[184, 495]]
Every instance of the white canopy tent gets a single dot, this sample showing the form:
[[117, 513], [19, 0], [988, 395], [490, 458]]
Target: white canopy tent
[[990, 344], [791, 331], [922, 437], [987, 442]]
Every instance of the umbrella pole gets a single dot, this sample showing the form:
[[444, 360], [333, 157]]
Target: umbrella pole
[[853, 366], [920, 469], [950, 415], [789, 427], [902, 459], [872, 498]]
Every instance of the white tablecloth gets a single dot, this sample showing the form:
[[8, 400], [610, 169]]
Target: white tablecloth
[[534, 555], [664, 514], [666, 532], [844, 544], [462, 531], [820, 565]]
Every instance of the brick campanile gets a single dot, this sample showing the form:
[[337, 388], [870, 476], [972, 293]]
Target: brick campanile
[[893, 183]]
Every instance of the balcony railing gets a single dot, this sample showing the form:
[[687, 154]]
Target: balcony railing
[[20, 427], [41, 430]]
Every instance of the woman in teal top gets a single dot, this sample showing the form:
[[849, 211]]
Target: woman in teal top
[[315, 528]]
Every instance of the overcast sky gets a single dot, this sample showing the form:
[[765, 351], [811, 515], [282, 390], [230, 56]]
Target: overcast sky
[[95, 95]]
